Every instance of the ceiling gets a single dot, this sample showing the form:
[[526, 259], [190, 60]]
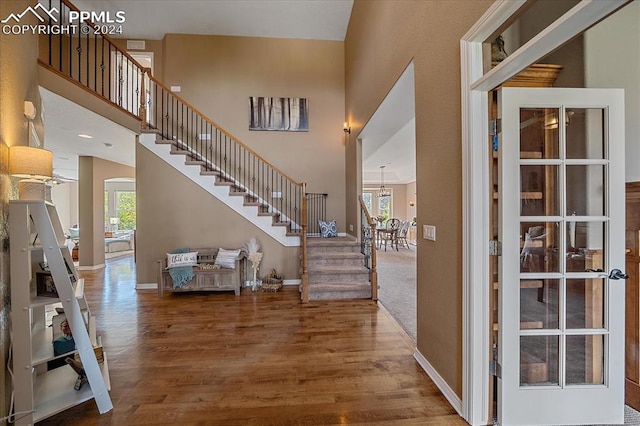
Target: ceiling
[[65, 120], [388, 138], [304, 19]]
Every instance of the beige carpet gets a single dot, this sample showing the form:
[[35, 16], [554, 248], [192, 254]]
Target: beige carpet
[[397, 281]]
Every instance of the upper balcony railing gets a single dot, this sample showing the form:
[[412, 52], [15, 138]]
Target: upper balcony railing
[[95, 62]]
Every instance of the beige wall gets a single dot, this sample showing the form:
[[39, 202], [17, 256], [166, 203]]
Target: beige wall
[[411, 194], [18, 82], [65, 197], [178, 213], [614, 44], [218, 75], [92, 172], [399, 201], [383, 37]]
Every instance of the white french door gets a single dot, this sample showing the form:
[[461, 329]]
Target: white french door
[[561, 301]]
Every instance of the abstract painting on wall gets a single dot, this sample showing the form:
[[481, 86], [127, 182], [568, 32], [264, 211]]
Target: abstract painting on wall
[[284, 114]]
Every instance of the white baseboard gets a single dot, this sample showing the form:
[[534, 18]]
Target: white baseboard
[[446, 390], [90, 268], [284, 282], [147, 286]]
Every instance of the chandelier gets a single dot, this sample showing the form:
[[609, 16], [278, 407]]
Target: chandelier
[[382, 192]]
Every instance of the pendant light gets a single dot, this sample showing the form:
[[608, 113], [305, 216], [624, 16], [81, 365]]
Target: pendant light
[[382, 192]]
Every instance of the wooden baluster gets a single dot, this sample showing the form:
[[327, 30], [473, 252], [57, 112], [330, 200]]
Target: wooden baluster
[[142, 112]]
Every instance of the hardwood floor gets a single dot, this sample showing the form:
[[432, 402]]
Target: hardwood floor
[[256, 359]]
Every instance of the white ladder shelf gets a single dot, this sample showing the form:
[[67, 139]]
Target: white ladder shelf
[[38, 391]]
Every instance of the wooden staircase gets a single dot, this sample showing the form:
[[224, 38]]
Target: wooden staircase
[[224, 187], [336, 269]]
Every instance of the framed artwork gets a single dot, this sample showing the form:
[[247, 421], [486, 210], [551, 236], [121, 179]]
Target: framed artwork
[[45, 287], [280, 114]]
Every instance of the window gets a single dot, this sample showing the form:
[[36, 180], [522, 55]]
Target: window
[[126, 209], [378, 206]]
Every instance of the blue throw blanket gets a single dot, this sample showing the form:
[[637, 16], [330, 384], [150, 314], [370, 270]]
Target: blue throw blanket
[[181, 274]]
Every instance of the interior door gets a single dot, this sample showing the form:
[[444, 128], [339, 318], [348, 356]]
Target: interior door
[[561, 302]]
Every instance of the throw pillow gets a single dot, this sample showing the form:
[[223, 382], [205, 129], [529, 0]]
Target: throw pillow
[[175, 260], [227, 258], [328, 229]]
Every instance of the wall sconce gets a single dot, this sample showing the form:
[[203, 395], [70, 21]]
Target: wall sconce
[[34, 166], [346, 128], [412, 203], [29, 110]]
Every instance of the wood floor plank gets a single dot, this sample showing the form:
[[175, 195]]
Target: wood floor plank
[[256, 359]]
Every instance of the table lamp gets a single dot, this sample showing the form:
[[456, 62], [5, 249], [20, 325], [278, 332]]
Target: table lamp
[[114, 221], [34, 166]]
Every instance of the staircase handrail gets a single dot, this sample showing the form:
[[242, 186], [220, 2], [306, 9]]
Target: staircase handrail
[[221, 129], [368, 248]]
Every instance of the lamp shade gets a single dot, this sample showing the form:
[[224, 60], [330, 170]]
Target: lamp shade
[[31, 163]]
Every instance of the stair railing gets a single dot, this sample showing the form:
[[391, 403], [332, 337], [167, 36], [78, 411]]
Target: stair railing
[[221, 154], [83, 55], [93, 61], [368, 246], [316, 211]]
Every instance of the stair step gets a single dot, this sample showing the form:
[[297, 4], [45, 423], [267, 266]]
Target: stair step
[[330, 242], [337, 275], [223, 183], [337, 291], [285, 223], [336, 259], [237, 193], [327, 249], [165, 141], [176, 151], [209, 173], [195, 163], [252, 203]]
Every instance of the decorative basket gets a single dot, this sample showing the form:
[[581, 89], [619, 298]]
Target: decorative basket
[[272, 282]]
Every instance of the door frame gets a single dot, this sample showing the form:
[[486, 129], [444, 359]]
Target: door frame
[[475, 87]]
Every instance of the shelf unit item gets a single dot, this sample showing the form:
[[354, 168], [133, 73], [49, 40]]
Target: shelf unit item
[[36, 236]]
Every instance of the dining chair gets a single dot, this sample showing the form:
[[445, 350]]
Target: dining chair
[[389, 233], [401, 237]]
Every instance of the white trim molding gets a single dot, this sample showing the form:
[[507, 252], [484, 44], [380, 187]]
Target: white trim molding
[[147, 286], [90, 268], [446, 390]]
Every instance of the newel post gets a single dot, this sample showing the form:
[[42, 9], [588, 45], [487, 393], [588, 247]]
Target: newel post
[[374, 271]]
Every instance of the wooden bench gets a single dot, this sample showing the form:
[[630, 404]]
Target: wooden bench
[[205, 278]]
